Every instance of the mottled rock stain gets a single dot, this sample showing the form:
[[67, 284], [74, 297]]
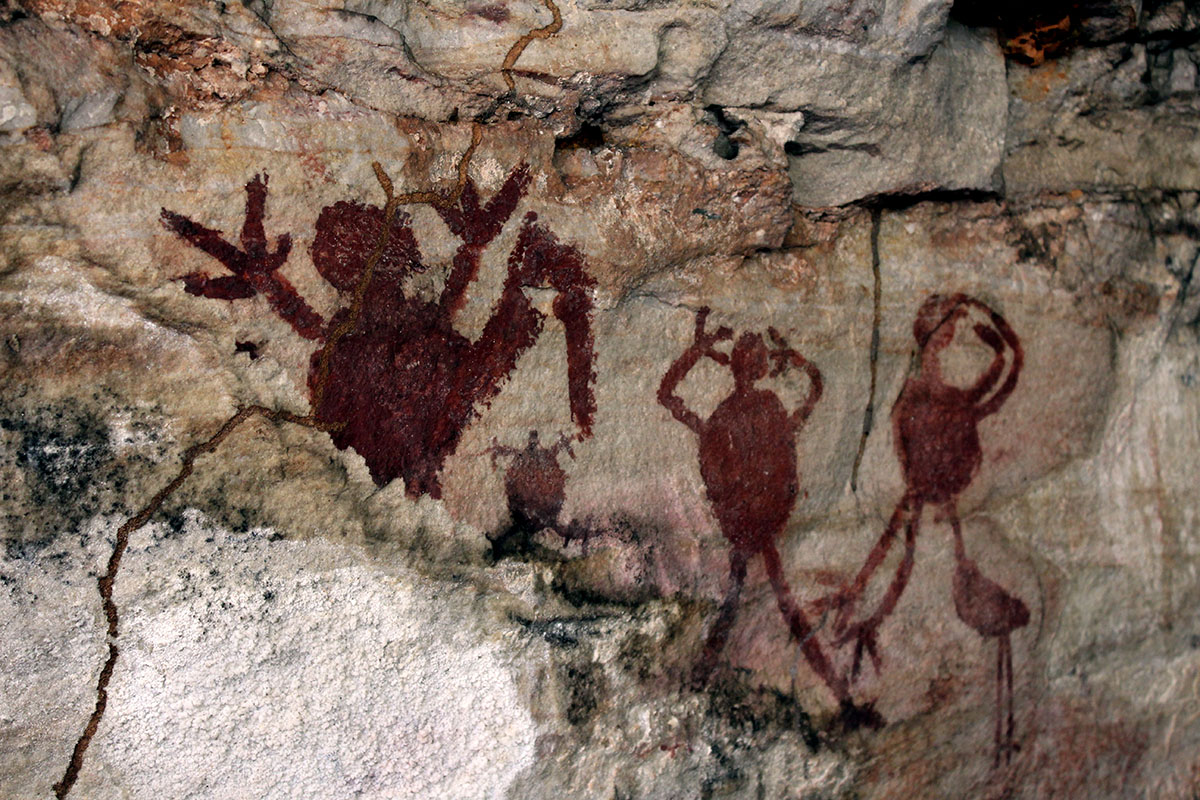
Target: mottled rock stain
[[59, 451], [492, 12]]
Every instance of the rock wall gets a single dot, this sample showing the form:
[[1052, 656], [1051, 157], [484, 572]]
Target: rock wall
[[590, 399]]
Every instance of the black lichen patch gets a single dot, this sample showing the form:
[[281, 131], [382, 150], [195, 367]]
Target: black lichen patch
[[760, 709], [723, 774], [67, 473], [224, 497], [586, 688], [519, 541], [641, 656], [239, 519]]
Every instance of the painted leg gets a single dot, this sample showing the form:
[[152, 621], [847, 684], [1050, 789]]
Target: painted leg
[[998, 735], [845, 599], [800, 627], [864, 632], [719, 632], [1010, 740]]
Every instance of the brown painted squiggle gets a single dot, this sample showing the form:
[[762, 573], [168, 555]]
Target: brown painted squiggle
[[519, 46]]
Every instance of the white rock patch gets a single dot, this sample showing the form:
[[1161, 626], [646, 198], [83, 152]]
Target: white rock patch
[[259, 669]]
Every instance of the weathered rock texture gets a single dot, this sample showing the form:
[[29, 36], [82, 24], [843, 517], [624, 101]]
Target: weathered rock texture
[[358, 349]]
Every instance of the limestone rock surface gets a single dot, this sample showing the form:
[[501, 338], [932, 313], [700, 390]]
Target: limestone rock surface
[[599, 399]]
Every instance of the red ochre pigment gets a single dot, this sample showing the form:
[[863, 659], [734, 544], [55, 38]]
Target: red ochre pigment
[[402, 383], [937, 442], [748, 463]]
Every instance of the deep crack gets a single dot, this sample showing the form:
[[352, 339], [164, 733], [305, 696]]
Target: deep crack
[[876, 297]]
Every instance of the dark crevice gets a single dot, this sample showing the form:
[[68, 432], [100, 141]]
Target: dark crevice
[[876, 321], [723, 145], [901, 201], [798, 149], [10, 14], [589, 137], [1034, 31], [249, 348]]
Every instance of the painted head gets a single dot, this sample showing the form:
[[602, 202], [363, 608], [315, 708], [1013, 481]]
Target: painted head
[[934, 326], [748, 359], [348, 233]]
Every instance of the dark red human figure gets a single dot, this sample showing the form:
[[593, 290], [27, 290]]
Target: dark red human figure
[[937, 441], [535, 485], [403, 383], [748, 463]]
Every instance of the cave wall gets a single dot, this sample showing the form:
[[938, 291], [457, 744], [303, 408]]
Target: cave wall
[[596, 399]]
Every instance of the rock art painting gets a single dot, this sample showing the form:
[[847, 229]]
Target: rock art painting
[[403, 383], [937, 442], [535, 488], [469, 462], [748, 463]]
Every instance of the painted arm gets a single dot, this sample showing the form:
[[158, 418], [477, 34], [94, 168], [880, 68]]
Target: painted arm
[[254, 267], [1002, 334], [845, 599], [700, 347], [477, 226], [497, 450], [785, 356], [511, 329], [563, 443], [991, 376]]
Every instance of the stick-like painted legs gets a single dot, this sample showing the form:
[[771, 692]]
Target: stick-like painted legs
[[1005, 724], [800, 628], [846, 598], [719, 632], [863, 633]]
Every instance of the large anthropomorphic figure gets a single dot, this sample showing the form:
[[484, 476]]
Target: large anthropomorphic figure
[[935, 425], [748, 463]]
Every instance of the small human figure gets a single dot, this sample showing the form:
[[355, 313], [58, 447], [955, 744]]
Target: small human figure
[[937, 442], [535, 486], [748, 463]]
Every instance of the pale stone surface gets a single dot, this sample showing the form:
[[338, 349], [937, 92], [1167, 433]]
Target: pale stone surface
[[938, 124], [1119, 117], [290, 628], [364, 681]]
